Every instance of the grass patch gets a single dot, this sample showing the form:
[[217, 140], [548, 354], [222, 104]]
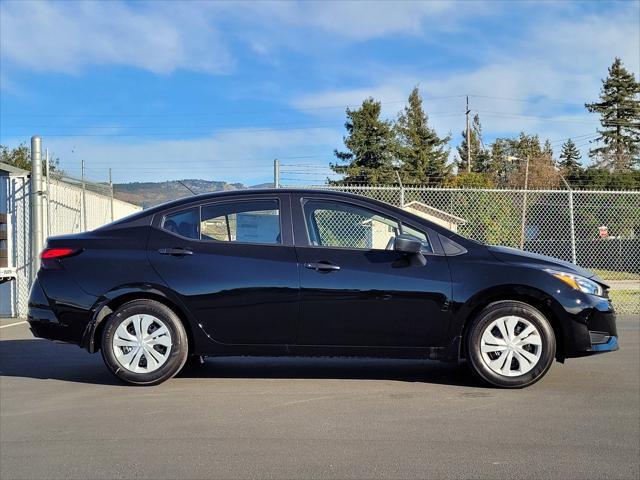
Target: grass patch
[[626, 301], [615, 275]]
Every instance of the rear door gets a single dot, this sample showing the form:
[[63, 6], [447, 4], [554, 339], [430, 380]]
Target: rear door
[[355, 289], [233, 263]]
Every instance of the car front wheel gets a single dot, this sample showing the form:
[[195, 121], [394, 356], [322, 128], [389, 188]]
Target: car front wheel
[[144, 343], [510, 344]]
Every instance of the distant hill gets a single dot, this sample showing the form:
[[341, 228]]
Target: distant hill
[[147, 194]]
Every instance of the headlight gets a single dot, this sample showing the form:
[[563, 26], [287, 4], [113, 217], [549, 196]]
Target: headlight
[[578, 282]]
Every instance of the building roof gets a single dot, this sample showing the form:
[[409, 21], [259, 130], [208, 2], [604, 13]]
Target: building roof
[[434, 212], [5, 168]]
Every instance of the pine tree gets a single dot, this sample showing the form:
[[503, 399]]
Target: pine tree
[[422, 153], [501, 165], [570, 158], [547, 151], [469, 147], [480, 156], [619, 109], [371, 147], [509, 159], [526, 149]]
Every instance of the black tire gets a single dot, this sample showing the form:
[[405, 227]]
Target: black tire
[[177, 355], [495, 311]]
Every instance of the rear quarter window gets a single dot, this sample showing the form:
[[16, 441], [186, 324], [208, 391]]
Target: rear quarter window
[[185, 223]]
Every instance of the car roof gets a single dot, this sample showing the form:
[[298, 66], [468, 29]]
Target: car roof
[[145, 216], [258, 191], [139, 217]]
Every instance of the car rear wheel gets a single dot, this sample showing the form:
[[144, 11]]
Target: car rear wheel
[[144, 343], [510, 344]]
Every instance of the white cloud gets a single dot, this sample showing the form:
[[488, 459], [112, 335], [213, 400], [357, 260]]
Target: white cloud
[[69, 36], [555, 66], [164, 36], [556, 56], [362, 21]]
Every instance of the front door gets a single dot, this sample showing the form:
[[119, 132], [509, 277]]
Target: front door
[[234, 266], [355, 289]]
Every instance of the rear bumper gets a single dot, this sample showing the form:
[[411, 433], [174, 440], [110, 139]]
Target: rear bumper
[[44, 324], [54, 321]]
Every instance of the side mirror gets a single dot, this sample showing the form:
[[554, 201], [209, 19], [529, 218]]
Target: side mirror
[[407, 244]]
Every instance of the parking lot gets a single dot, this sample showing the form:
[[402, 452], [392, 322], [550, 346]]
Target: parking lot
[[64, 416]]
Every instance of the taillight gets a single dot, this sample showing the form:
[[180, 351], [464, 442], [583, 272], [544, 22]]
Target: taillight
[[52, 253]]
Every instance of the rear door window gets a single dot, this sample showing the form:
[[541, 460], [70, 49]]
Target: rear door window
[[255, 221]]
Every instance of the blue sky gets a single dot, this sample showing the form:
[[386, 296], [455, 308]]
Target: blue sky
[[217, 90]]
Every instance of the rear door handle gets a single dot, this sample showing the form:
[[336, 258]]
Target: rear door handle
[[176, 252], [322, 266]]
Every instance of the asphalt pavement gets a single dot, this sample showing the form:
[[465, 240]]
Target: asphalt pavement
[[62, 415]]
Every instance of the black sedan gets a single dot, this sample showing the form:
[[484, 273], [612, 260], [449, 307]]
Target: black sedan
[[311, 273]]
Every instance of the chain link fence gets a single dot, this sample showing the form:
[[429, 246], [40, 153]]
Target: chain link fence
[[70, 205], [73, 205], [597, 230]]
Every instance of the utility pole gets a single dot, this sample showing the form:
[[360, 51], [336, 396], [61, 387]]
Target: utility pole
[[276, 173], [36, 201], [83, 200], [111, 189], [468, 137], [524, 204]]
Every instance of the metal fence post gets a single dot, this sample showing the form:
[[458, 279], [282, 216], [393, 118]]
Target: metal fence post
[[401, 189], [524, 206], [48, 179], [111, 188], [276, 173], [574, 259], [572, 225], [36, 201], [83, 202]]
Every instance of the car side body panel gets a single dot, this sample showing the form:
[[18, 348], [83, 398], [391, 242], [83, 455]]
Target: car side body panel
[[244, 299]]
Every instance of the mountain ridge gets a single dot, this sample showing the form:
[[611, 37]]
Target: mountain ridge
[[148, 194]]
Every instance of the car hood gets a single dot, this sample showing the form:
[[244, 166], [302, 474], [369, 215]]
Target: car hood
[[520, 257]]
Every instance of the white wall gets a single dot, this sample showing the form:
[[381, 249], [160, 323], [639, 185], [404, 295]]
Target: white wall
[[65, 208]]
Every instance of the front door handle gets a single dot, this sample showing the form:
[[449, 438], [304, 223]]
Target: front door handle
[[176, 252], [322, 267]]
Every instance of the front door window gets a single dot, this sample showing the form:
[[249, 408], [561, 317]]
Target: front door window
[[343, 225]]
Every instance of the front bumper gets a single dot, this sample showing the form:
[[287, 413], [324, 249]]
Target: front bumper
[[611, 345], [591, 328]]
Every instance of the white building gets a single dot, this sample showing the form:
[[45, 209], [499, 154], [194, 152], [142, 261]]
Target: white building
[[435, 215]]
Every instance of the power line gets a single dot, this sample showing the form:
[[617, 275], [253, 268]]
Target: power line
[[537, 117], [574, 137], [295, 108], [220, 113], [528, 100]]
